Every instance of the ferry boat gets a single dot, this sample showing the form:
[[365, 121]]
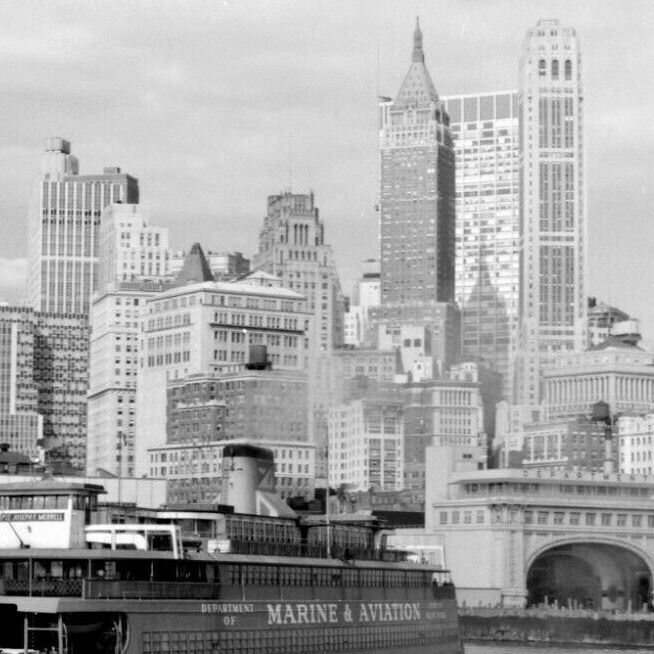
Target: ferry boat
[[259, 585]]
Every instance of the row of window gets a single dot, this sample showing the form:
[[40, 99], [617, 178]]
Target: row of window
[[296, 641], [297, 575]]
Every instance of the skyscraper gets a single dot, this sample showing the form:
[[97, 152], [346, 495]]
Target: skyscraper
[[63, 229], [292, 247], [417, 192], [485, 128], [553, 221]]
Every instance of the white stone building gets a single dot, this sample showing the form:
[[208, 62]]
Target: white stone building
[[617, 372], [634, 435], [130, 249], [201, 326], [366, 444], [553, 299]]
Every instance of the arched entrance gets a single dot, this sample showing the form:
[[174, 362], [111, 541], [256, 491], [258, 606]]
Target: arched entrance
[[590, 575]]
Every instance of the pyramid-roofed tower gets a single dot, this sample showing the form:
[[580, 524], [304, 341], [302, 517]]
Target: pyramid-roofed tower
[[418, 89], [195, 270]]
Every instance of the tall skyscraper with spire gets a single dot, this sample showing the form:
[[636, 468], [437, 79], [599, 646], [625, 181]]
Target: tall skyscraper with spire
[[553, 220], [63, 229], [417, 192], [416, 210]]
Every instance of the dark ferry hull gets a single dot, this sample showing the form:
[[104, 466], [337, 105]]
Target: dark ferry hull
[[248, 627]]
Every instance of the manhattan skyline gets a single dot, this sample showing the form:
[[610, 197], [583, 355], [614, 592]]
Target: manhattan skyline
[[204, 102]]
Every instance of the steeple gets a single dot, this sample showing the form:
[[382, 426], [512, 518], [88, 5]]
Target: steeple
[[418, 89], [418, 53]]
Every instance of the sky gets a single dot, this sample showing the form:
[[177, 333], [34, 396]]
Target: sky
[[216, 105]]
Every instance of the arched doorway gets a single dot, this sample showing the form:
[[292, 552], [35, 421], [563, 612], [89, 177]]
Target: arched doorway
[[589, 575]]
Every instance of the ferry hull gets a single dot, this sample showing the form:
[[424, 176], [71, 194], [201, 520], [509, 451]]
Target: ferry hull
[[251, 627]]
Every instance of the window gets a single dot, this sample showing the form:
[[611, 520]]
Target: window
[[574, 518], [568, 69], [637, 521], [558, 517], [622, 520], [455, 517], [543, 517], [555, 69], [443, 517], [590, 519], [542, 68], [606, 519], [529, 517]]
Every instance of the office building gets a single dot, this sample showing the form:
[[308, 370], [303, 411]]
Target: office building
[[224, 265], [357, 324], [43, 385], [63, 229], [200, 326], [292, 247], [634, 436], [444, 412], [553, 222], [573, 445], [113, 372], [417, 194], [130, 249], [485, 130], [132, 266], [418, 336], [366, 449], [616, 372], [601, 318], [248, 404]]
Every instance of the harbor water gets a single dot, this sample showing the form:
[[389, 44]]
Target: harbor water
[[500, 648]]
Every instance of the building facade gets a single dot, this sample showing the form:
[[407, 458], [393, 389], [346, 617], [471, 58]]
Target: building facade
[[553, 222], [113, 373], [224, 265], [601, 319], [63, 229], [193, 471], [43, 385], [357, 325], [253, 405], [542, 536], [485, 129], [618, 373], [292, 247], [575, 445], [446, 412], [417, 192], [634, 434], [366, 449], [130, 249], [207, 327]]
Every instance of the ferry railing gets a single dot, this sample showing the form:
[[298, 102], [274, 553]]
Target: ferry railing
[[42, 587], [141, 590]]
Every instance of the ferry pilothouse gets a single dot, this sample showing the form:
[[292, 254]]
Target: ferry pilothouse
[[72, 584]]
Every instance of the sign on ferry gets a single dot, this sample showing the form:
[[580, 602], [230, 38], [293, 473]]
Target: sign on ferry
[[299, 613]]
